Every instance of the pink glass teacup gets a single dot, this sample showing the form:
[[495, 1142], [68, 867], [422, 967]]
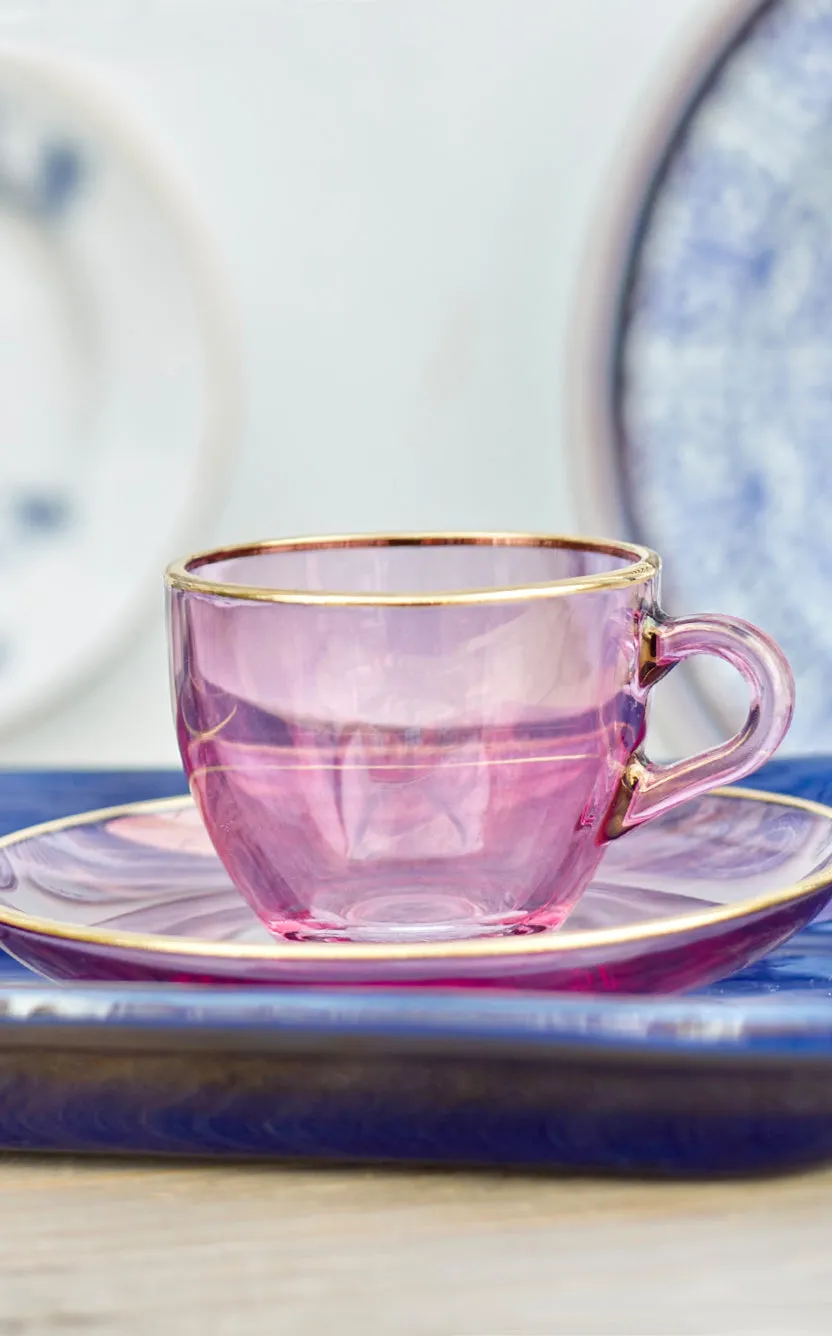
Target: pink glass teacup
[[424, 737]]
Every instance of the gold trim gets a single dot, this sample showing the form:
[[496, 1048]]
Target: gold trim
[[643, 564], [541, 943], [616, 824]]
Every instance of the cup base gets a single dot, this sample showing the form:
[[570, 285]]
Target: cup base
[[411, 915]]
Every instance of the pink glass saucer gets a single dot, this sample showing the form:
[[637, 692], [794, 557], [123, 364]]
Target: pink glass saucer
[[137, 892]]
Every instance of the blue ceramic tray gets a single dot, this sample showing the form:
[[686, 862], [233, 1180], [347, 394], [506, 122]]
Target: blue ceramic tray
[[735, 1080]]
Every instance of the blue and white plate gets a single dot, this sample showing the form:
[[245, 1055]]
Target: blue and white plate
[[716, 437], [116, 377]]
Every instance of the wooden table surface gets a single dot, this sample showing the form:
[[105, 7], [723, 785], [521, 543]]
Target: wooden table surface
[[123, 1247]]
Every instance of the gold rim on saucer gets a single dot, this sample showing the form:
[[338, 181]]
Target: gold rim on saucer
[[542, 943]]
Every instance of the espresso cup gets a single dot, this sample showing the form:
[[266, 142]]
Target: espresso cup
[[419, 737]]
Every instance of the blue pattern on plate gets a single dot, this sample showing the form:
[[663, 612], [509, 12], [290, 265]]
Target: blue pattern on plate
[[725, 352], [62, 171], [47, 183], [41, 513]]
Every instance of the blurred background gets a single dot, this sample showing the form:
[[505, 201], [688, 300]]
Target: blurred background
[[288, 266]]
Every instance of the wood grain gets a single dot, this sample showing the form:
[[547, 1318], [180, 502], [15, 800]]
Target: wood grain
[[127, 1247]]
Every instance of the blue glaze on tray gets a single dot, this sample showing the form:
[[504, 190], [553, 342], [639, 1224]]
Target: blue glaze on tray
[[738, 1079]]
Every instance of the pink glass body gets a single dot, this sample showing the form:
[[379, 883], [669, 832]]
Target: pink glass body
[[411, 738]]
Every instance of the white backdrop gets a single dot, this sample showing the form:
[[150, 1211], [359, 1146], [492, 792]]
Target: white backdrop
[[402, 192]]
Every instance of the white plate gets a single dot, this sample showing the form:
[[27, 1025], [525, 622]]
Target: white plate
[[709, 349], [117, 378]]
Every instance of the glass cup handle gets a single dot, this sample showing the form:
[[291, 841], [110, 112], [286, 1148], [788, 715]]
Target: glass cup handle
[[646, 790]]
